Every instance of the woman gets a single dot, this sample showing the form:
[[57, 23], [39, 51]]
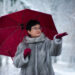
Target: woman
[[34, 53]]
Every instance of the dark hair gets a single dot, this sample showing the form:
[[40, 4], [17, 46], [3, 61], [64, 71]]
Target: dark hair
[[31, 23]]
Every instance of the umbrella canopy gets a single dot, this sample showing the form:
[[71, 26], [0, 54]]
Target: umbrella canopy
[[12, 29]]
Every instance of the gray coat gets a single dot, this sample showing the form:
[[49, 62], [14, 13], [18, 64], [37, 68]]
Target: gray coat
[[39, 62]]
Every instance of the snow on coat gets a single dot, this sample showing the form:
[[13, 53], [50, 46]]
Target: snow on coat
[[39, 62]]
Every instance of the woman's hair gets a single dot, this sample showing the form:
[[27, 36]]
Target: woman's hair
[[31, 23]]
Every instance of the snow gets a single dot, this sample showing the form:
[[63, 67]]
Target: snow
[[63, 13]]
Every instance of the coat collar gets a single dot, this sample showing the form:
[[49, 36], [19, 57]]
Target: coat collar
[[41, 38]]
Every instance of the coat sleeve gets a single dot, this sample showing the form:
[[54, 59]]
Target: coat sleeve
[[55, 46], [19, 60]]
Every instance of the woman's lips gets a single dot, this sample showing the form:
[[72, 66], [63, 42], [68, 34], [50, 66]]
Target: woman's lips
[[38, 33]]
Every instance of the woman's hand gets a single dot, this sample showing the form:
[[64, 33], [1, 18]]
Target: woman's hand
[[27, 52], [58, 36]]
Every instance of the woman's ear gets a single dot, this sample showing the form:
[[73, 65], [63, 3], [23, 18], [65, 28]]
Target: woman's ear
[[29, 32]]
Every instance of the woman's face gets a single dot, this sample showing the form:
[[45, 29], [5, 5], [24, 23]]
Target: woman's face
[[35, 31]]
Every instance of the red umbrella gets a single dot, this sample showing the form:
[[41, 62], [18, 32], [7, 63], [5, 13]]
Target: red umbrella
[[12, 29]]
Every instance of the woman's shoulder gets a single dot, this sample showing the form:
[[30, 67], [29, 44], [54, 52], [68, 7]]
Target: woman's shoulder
[[48, 39], [21, 44]]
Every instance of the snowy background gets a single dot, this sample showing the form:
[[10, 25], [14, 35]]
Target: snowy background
[[63, 13]]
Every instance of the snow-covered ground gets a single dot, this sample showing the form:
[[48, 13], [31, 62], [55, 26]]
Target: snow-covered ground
[[61, 69]]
